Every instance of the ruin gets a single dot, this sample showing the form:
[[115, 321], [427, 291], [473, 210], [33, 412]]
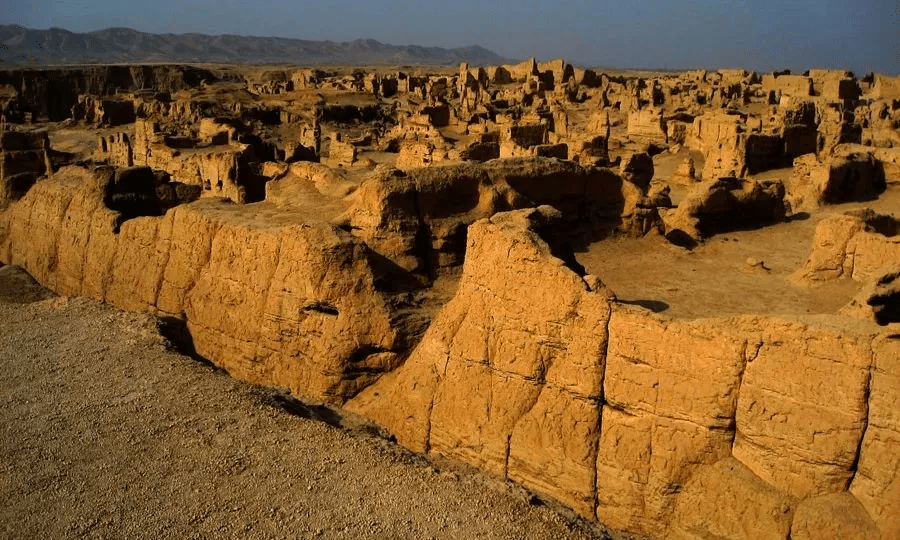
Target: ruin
[[669, 302]]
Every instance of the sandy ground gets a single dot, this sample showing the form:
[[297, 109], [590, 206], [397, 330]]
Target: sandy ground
[[104, 433], [716, 280]]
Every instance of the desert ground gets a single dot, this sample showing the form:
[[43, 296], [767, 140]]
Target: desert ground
[[525, 300]]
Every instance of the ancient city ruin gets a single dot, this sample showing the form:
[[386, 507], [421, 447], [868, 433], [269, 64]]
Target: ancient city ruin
[[669, 301]]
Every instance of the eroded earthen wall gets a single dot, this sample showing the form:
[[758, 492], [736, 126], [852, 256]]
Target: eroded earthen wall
[[748, 427], [685, 429]]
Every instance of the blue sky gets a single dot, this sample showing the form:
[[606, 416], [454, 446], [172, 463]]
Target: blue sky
[[763, 35]]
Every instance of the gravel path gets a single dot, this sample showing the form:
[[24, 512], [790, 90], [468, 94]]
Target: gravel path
[[106, 433]]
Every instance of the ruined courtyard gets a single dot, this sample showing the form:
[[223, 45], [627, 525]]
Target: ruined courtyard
[[669, 302]]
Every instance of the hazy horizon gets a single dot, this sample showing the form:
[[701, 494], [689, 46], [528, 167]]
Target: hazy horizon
[[761, 35]]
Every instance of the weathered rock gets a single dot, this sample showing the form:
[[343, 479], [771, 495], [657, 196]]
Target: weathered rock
[[713, 130], [837, 127], [890, 163], [801, 410], [886, 87], [745, 427], [518, 395], [590, 151], [726, 500], [292, 184], [731, 147], [647, 126], [838, 515], [724, 205], [787, 85], [661, 422], [103, 112], [480, 151], [520, 139], [13, 188], [685, 173], [138, 191], [798, 119], [51, 93], [418, 218], [856, 245], [879, 299], [834, 84], [843, 177], [637, 169], [222, 170], [251, 285], [341, 154], [115, 149], [23, 160]]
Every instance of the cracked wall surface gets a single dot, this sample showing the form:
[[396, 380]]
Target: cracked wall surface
[[745, 427], [242, 278]]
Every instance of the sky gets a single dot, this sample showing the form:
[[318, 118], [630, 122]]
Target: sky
[[762, 35]]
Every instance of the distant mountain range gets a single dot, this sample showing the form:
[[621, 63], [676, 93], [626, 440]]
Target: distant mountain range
[[20, 46]]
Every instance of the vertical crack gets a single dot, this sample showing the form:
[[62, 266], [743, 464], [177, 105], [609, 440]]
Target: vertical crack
[[506, 457], [867, 391], [164, 263], [745, 350], [595, 450], [437, 386], [261, 318], [427, 445], [53, 269]]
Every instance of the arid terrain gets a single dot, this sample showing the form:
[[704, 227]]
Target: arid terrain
[[108, 433], [666, 303]]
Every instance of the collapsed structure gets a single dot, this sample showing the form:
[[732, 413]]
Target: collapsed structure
[[406, 246]]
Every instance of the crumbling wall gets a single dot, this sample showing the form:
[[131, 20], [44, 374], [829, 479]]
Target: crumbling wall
[[685, 429], [647, 126], [23, 159], [419, 218], [103, 112], [787, 85], [222, 170], [745, 427], [852, 245], [850, 173], [272, 299], [51, 93]]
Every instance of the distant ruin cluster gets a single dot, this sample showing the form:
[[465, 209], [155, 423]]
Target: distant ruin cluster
[[416, 244]]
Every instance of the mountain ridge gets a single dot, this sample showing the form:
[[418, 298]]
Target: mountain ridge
[[22, 46]]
